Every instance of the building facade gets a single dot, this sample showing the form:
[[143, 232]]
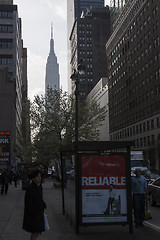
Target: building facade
[[52, 68], [133, 53], [115, 9], [88, 38], [74, 11], [99, 94], [11, 58]]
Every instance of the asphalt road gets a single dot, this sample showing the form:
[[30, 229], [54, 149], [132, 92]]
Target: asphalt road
[[155, 221]]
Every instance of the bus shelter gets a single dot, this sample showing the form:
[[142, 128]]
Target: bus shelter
[[96, 183]]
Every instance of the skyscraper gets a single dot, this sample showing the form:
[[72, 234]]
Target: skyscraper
[[88, 39], [133, 53], [74, 10], [52, 68], [13, 77]]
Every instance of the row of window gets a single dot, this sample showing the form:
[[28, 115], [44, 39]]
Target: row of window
[[147, 96], [6, 43], [85, 45], [6, 14], [6, 59], [136, 49], [138, 31], [141, 69], [145, 141], [87, 25], [6, 28], [82, 52], [89, 32], [132, 117], [85, 38], [137, 129]]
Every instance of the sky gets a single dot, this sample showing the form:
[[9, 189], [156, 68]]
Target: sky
[[37, 16]]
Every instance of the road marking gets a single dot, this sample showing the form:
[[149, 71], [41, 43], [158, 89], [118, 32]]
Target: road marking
[[152, 226]]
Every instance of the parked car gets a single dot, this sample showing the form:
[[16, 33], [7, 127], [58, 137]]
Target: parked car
[[71, 173], [153, 177], [154, 192]]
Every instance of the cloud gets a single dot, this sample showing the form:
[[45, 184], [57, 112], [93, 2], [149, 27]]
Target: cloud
[[36, 74], [59, 9]]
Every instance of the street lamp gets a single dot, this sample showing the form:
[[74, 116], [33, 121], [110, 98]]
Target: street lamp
[[75, 77]]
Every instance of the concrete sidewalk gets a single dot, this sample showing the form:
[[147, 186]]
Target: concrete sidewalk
[[11, 216]]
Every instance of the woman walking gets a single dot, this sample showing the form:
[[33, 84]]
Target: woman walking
[[34, 206]]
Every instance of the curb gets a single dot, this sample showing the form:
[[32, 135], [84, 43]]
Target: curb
[[154, 227]]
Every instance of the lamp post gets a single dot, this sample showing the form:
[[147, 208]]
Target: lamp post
[[75, 77]]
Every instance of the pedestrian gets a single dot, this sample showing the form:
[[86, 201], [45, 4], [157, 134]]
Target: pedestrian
[[111, 198], [10, 177], [34, 206], [139, 188], [5, 181], [15, 177]]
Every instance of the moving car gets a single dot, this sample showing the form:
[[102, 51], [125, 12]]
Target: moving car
[[154, 192]]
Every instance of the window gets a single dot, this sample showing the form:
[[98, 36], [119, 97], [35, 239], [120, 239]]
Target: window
[[5, 14], [6, 59], [152, 124], [157, 74], [144, 126], [6, 28], [6, 43]]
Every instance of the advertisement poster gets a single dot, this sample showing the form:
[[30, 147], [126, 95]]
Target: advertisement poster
[[104, 197]]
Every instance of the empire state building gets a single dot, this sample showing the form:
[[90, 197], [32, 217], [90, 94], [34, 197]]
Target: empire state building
[[52, 68]]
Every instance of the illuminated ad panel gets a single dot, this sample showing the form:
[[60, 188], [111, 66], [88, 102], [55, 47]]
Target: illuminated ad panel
[[4, 146], [104, 197]]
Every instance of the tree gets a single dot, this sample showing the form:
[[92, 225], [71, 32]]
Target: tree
[[53, 122]]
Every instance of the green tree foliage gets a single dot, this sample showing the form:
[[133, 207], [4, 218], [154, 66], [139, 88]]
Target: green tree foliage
[[53, 122]]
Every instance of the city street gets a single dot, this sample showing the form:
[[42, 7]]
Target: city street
[[11, 215]]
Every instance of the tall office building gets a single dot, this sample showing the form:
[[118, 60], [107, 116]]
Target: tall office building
[[88, 39], [11, 65], [74, 10], [133, 53], [52, 68]]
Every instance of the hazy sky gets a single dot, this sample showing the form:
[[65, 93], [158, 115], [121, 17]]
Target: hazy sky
[[37, 16]]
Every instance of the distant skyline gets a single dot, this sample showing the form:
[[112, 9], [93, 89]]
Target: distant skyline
[[37, 16]]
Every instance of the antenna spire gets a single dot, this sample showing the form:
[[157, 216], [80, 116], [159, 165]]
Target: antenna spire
[[51, 30]]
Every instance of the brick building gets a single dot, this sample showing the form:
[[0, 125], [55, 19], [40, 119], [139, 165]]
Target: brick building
[[133, 53]]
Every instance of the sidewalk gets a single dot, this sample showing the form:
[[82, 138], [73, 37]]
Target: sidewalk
[[11, 216]]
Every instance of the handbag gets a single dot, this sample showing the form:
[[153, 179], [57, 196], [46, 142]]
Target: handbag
[[46, 225]]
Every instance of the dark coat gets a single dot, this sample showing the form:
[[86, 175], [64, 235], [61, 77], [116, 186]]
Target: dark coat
[[33, 220]]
